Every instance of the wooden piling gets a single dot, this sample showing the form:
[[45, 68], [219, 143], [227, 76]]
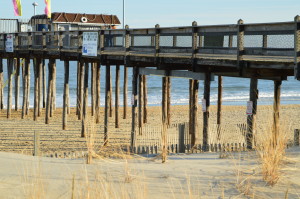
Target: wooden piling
[[191, 84], [81, 90], [251, 119], [44, 84], [49, 92], [25, 84], [141, 103], [66, 95], [10, 63], [125, 92], [117, 96], [98, 91], [36, 67], [145, 98], [276, 109], [78, 88], [53, 91], [85, 100], [93, 88], [28, 88], [164, 119], [17, 83], [194, 112], [40, 85], [110, 99], [206, 113], [220, 91], [168, 101], [135, 72], [1, 83], [107, 102]]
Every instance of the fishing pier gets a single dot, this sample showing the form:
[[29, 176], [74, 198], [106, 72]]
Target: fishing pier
[[255, 51]]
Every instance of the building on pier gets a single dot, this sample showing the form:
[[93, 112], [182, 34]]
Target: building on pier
[[73, 21]]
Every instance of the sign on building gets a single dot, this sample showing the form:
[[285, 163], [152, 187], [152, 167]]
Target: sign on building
[[9, 43], [90, 44], [204, 105]]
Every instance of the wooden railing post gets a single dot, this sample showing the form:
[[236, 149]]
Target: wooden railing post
[[194, 44], [297, 47], [240, 46], [80, 41], [265, 41], [16, 40], [101, 46], [60, 41], [44, 40], [157, 42], [29, 40]]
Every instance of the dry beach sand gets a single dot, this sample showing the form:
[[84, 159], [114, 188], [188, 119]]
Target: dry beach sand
[[205, 175]]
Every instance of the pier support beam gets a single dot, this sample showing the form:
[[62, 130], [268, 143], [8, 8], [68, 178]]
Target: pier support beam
[[107, 102], [98, 92], [117, 96], [206, 112], [251, 119], [85, 99], [145, 98], [66, 95], [93, 88], [40, 85], [194, 112], [134, 106], [125, 86], [168, 79], [141, 103], [81, 89], [1, 83], [44, 84], [78, 89], [36, 67], [53, 90], [164, 119], [49, 92], [10, 65], [220, 92], [17, 83], [25, 87], [276, 109]]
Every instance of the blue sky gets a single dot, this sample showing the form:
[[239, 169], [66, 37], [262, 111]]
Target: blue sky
[[141, 13]]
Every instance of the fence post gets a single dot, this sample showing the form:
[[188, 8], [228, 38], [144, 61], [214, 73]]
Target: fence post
[[296, 137], [181, 128], [36, 144], [297, 47]]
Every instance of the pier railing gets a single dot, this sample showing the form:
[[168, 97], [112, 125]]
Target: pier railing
[[233, 41]]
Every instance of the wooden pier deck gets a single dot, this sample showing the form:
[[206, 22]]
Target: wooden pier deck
[[257, 51]]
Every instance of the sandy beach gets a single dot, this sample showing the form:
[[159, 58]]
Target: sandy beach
[[204, 175]]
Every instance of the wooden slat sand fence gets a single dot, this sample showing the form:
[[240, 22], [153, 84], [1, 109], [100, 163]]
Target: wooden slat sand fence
[[228, 137]]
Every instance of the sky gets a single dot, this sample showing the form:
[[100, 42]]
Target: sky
[[167, 13]]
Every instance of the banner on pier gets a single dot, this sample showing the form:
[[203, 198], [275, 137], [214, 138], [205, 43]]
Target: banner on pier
[[90, 44], [9, 43], [48, 8], [17, 7]]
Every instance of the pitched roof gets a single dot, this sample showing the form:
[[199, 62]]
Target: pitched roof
[[61, 17]]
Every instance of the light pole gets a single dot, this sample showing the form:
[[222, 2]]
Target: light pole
[[35, 4], [123, 14]]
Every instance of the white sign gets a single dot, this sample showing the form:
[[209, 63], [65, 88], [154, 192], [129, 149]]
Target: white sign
[[203, 105], [9, 43], [249, 108], [90, 44]]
